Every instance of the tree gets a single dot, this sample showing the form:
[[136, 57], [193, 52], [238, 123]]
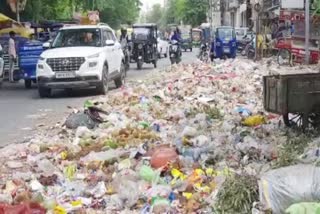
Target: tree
[[195, 11], [155, 14]]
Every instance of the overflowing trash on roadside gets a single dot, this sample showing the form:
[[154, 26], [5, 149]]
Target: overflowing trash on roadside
[[191, 139]]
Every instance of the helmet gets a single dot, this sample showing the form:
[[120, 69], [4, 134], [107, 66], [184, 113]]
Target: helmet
[[123, 30]]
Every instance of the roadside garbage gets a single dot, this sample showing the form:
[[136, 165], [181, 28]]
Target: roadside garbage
[[283, 187], [191, 139]]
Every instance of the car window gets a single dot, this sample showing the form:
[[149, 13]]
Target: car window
[[104, 36], [111, 36], [77, 38]]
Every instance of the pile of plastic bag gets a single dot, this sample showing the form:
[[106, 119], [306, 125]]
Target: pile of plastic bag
[[162, 145]]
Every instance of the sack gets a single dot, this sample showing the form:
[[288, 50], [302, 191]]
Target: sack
[[283, 187]]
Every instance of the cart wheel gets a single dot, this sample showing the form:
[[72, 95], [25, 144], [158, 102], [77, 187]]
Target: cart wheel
[[302, 120], [284, 57]]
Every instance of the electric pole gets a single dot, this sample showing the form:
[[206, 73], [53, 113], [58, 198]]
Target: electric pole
[[307, 39]]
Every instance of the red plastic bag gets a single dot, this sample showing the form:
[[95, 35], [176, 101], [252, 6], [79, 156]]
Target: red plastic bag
[[25, 208]]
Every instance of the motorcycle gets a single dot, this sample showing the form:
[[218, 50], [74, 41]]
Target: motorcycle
[[204, 52], [175, 52]]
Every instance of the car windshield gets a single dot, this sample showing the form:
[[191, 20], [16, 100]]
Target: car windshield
[[139, 31], [225, 34], [77, 38]]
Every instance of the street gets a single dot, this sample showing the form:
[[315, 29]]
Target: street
[[22, 111]]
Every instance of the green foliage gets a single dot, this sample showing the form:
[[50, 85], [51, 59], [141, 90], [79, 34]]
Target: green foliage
[[237, 194], [191, 12], [289, 152], [155, 14], [113, 12]]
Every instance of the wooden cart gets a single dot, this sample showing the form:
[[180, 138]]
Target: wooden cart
[[295, 96]]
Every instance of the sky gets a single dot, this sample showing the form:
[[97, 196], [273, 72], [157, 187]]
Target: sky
[[148, 3]]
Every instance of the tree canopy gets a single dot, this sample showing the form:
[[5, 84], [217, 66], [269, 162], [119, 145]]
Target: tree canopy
[[113, 12], [191, 12]]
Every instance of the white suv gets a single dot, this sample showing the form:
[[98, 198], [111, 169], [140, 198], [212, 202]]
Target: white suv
[[81, 57]]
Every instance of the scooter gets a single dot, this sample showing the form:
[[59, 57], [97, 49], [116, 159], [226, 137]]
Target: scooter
[[204, 52], [175, 52]]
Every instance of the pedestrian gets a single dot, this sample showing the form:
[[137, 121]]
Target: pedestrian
[[12, 55]]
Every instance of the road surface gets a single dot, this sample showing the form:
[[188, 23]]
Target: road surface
[[22, 111]]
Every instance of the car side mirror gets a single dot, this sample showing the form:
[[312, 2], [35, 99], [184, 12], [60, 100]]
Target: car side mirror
[[110, 43], [46, 45]]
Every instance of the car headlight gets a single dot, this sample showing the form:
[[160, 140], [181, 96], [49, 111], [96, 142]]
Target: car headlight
[[140, 46], [93, 64], [94, 56], [42, 59]]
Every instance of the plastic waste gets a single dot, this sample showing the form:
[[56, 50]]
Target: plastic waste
[[304, 208], [162, 156], [282, 187], [160, 205], [102, 156], [254, 120], [70, 171], [149, 175], [99, 190], [46, 167], [22, 208], [35, 186], [14, 164]]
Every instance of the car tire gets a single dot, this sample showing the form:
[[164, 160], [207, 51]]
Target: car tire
[[44, 92], [120, 81], [27, 84], [155, 63], [165, 55], [190, 49], [103, 87]]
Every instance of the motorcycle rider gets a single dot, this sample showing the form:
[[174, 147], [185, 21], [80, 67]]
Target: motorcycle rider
[[124, 41], [176, 37]]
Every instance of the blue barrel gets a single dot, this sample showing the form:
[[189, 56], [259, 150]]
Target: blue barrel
[[29, 53]]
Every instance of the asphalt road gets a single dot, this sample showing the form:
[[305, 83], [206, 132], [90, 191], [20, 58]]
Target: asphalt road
[[22, 111]]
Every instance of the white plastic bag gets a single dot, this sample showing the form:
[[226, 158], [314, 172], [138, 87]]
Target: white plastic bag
[[283, 187]]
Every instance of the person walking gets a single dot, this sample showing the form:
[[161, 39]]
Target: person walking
[[12, 55]]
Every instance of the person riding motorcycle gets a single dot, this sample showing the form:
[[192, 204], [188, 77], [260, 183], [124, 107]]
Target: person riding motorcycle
[[124, 41], [176, 37]]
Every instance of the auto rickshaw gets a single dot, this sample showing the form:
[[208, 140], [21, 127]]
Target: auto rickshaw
[[186, 41], [145, 44], [224, 44], [196, 36]]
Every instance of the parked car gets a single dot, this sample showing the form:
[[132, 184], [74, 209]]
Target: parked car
[[163, 48], [81, 57]]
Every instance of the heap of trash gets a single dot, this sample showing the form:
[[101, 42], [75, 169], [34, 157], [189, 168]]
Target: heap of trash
[[190, 139]]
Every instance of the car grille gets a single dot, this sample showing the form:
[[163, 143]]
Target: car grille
[[65, 64]]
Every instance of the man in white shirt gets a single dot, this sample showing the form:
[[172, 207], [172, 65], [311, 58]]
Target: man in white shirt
[[12, 55]]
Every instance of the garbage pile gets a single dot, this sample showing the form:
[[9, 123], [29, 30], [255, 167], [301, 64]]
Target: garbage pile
[[191, 139]]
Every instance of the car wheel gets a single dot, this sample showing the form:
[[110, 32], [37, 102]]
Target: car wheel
[[27, 84], [155, 63], [104, 84], [165, 55], [190, 49], [121, 80], [44, 92]]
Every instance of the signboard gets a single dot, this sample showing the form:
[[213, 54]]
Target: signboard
[[292, 4]]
